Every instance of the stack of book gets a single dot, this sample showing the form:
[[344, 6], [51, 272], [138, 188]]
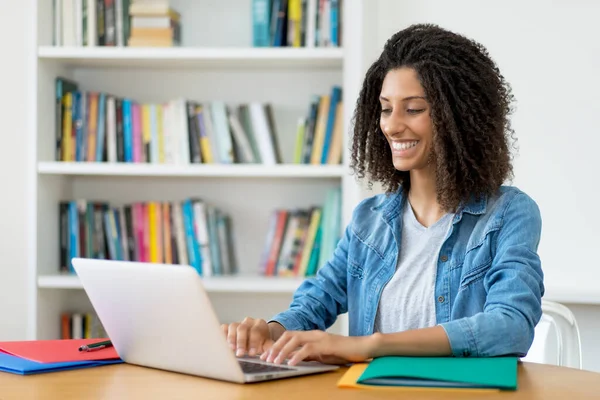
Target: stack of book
[[91, 23], [154, 24], [296, 23], [190, 232], [93, 126], [320, 135], [81, 325], [299, 241]]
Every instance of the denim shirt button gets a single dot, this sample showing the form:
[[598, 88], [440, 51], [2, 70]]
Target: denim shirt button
[[441, 299], [444, 258]]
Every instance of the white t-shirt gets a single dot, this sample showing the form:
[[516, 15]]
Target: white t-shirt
[[408, 300]]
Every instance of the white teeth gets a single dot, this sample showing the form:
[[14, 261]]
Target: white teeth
[[404, 145]]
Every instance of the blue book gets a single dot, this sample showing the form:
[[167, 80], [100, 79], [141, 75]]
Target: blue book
[[261, 23], [194, 256], [22, 366], [336, 96], [127, 131], [278, 19], [118, 237], [78, 124], [73, 233], [335, 22], [101, 127]]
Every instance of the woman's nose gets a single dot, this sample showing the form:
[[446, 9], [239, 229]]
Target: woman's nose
[[393, 125]]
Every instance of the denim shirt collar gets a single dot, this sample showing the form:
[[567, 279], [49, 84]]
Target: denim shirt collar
[[393, 203]]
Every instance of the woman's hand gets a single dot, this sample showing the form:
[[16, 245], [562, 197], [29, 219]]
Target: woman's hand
[[319, 346], [251, 336]]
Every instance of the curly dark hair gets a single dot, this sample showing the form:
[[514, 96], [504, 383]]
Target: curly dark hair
[[470, 103]]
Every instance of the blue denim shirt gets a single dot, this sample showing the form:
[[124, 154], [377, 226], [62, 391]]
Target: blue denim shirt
[[489, 281]]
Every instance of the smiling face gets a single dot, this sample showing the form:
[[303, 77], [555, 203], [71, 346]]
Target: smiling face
[[405, 119]]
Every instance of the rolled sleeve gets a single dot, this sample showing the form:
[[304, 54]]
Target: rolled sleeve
[[461, 338], [289, 321]]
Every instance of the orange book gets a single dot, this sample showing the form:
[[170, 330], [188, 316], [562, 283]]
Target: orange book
[[92, 126], [65, 326], [68, 142], [152, 33], [152, 231]]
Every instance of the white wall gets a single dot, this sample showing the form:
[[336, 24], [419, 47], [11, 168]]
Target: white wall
[[15, 45], [550, 53]]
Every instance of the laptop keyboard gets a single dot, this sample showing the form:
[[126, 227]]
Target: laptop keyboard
[[254, 368]]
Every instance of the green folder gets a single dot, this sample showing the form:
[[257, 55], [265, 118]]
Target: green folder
[[442, 372]]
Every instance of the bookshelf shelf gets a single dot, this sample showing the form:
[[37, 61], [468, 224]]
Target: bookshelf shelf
[[222, 171], [218, 284], [180, 57]]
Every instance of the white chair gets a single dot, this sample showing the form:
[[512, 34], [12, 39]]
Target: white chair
[[557, 340]]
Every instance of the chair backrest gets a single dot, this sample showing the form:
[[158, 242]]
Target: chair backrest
[[557, 340]]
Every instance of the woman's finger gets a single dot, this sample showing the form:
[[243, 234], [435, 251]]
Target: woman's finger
[[306, 351], [285, 351], [280, 344], [256, 339], [232, 335], [242, 339]]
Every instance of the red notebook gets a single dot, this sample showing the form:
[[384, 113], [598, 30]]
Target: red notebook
[[52, 351]]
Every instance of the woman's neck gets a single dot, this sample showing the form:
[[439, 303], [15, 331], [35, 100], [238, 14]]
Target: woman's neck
[[423, 197]]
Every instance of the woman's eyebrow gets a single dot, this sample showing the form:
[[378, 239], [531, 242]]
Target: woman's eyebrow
[[404, 99]]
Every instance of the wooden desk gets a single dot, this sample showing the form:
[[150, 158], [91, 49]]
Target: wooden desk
[[131, 382]]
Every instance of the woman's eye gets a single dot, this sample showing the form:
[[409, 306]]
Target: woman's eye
[[415, 111], [386, 111]]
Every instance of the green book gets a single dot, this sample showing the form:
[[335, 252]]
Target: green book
[[442, 372]]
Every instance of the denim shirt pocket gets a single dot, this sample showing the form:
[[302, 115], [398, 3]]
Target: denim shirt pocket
[[478, 260]]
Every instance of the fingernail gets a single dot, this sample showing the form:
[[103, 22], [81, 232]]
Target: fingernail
[[232, 346], [239, 352], [252, 352]]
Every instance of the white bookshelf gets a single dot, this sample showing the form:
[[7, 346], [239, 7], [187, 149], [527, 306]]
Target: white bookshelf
[[214, 284], [193, 170], [215, 63], [238, 57]]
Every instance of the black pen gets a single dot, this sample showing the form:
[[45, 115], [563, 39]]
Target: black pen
[[95, 346]]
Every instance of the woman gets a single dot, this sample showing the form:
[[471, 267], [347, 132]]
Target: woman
[[444, 263]]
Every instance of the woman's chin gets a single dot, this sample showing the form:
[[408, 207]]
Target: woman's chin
[[403, 165], [406, 165]]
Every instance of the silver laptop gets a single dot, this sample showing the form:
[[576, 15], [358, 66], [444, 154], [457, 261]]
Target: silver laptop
[[160, 316]]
